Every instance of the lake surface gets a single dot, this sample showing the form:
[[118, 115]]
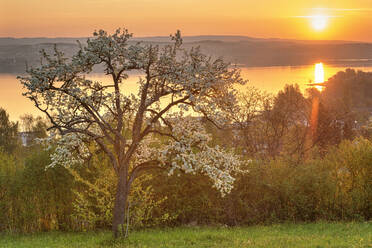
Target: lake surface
[[270, 79]]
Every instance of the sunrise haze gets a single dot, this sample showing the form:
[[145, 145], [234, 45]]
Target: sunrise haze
[[344, 19]]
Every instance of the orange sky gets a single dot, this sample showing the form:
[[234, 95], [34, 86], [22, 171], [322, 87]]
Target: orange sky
[[350, 19]]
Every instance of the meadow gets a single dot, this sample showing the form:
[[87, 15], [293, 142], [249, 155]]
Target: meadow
[[322, 234]]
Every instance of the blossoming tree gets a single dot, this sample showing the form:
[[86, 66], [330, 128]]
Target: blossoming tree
[[157, 128]]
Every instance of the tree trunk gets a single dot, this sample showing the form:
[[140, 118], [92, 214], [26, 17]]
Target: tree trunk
[[119, 214]]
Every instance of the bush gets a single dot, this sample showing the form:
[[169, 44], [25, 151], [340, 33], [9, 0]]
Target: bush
[[95, 195], [351, 166], [35, 199], [337, 186]]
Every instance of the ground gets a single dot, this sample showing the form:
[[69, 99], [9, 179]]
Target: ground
[[283, 235]]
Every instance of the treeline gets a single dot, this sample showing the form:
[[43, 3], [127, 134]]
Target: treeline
[[309, 158]]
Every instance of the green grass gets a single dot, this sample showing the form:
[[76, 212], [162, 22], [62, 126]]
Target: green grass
[[283, 235]]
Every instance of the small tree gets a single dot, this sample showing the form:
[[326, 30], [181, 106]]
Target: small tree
[[137, 132], [8, 133]]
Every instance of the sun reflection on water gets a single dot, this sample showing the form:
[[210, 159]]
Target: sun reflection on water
[[319, 76]]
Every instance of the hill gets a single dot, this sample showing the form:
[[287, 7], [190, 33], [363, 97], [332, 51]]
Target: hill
[[242, 50]]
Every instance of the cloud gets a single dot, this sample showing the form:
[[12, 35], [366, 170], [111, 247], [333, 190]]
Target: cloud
[[314, 16], [344, 10], [334, 12]]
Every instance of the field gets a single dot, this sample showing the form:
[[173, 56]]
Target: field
[[283, 235]]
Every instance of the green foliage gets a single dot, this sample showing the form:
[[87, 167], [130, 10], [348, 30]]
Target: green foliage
[[34, 199], [9, 176], [334, 187], [52, 206], [351, 87], [8, 133], [189, 198], [283, 191], [145, 205], [95, 197], [351, 165]]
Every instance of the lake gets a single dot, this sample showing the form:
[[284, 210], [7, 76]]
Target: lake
[[270, 79]]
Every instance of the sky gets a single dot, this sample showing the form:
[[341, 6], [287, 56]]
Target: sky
[[289, 19]]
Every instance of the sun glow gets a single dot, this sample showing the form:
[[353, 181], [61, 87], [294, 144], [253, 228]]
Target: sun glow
[[319, 22]]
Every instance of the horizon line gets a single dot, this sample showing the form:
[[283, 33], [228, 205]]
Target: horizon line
[[187, 36]]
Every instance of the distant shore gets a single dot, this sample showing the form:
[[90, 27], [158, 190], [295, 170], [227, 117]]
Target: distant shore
[[15, 54]]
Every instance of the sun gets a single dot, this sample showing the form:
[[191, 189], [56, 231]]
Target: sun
[[319, 22]]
